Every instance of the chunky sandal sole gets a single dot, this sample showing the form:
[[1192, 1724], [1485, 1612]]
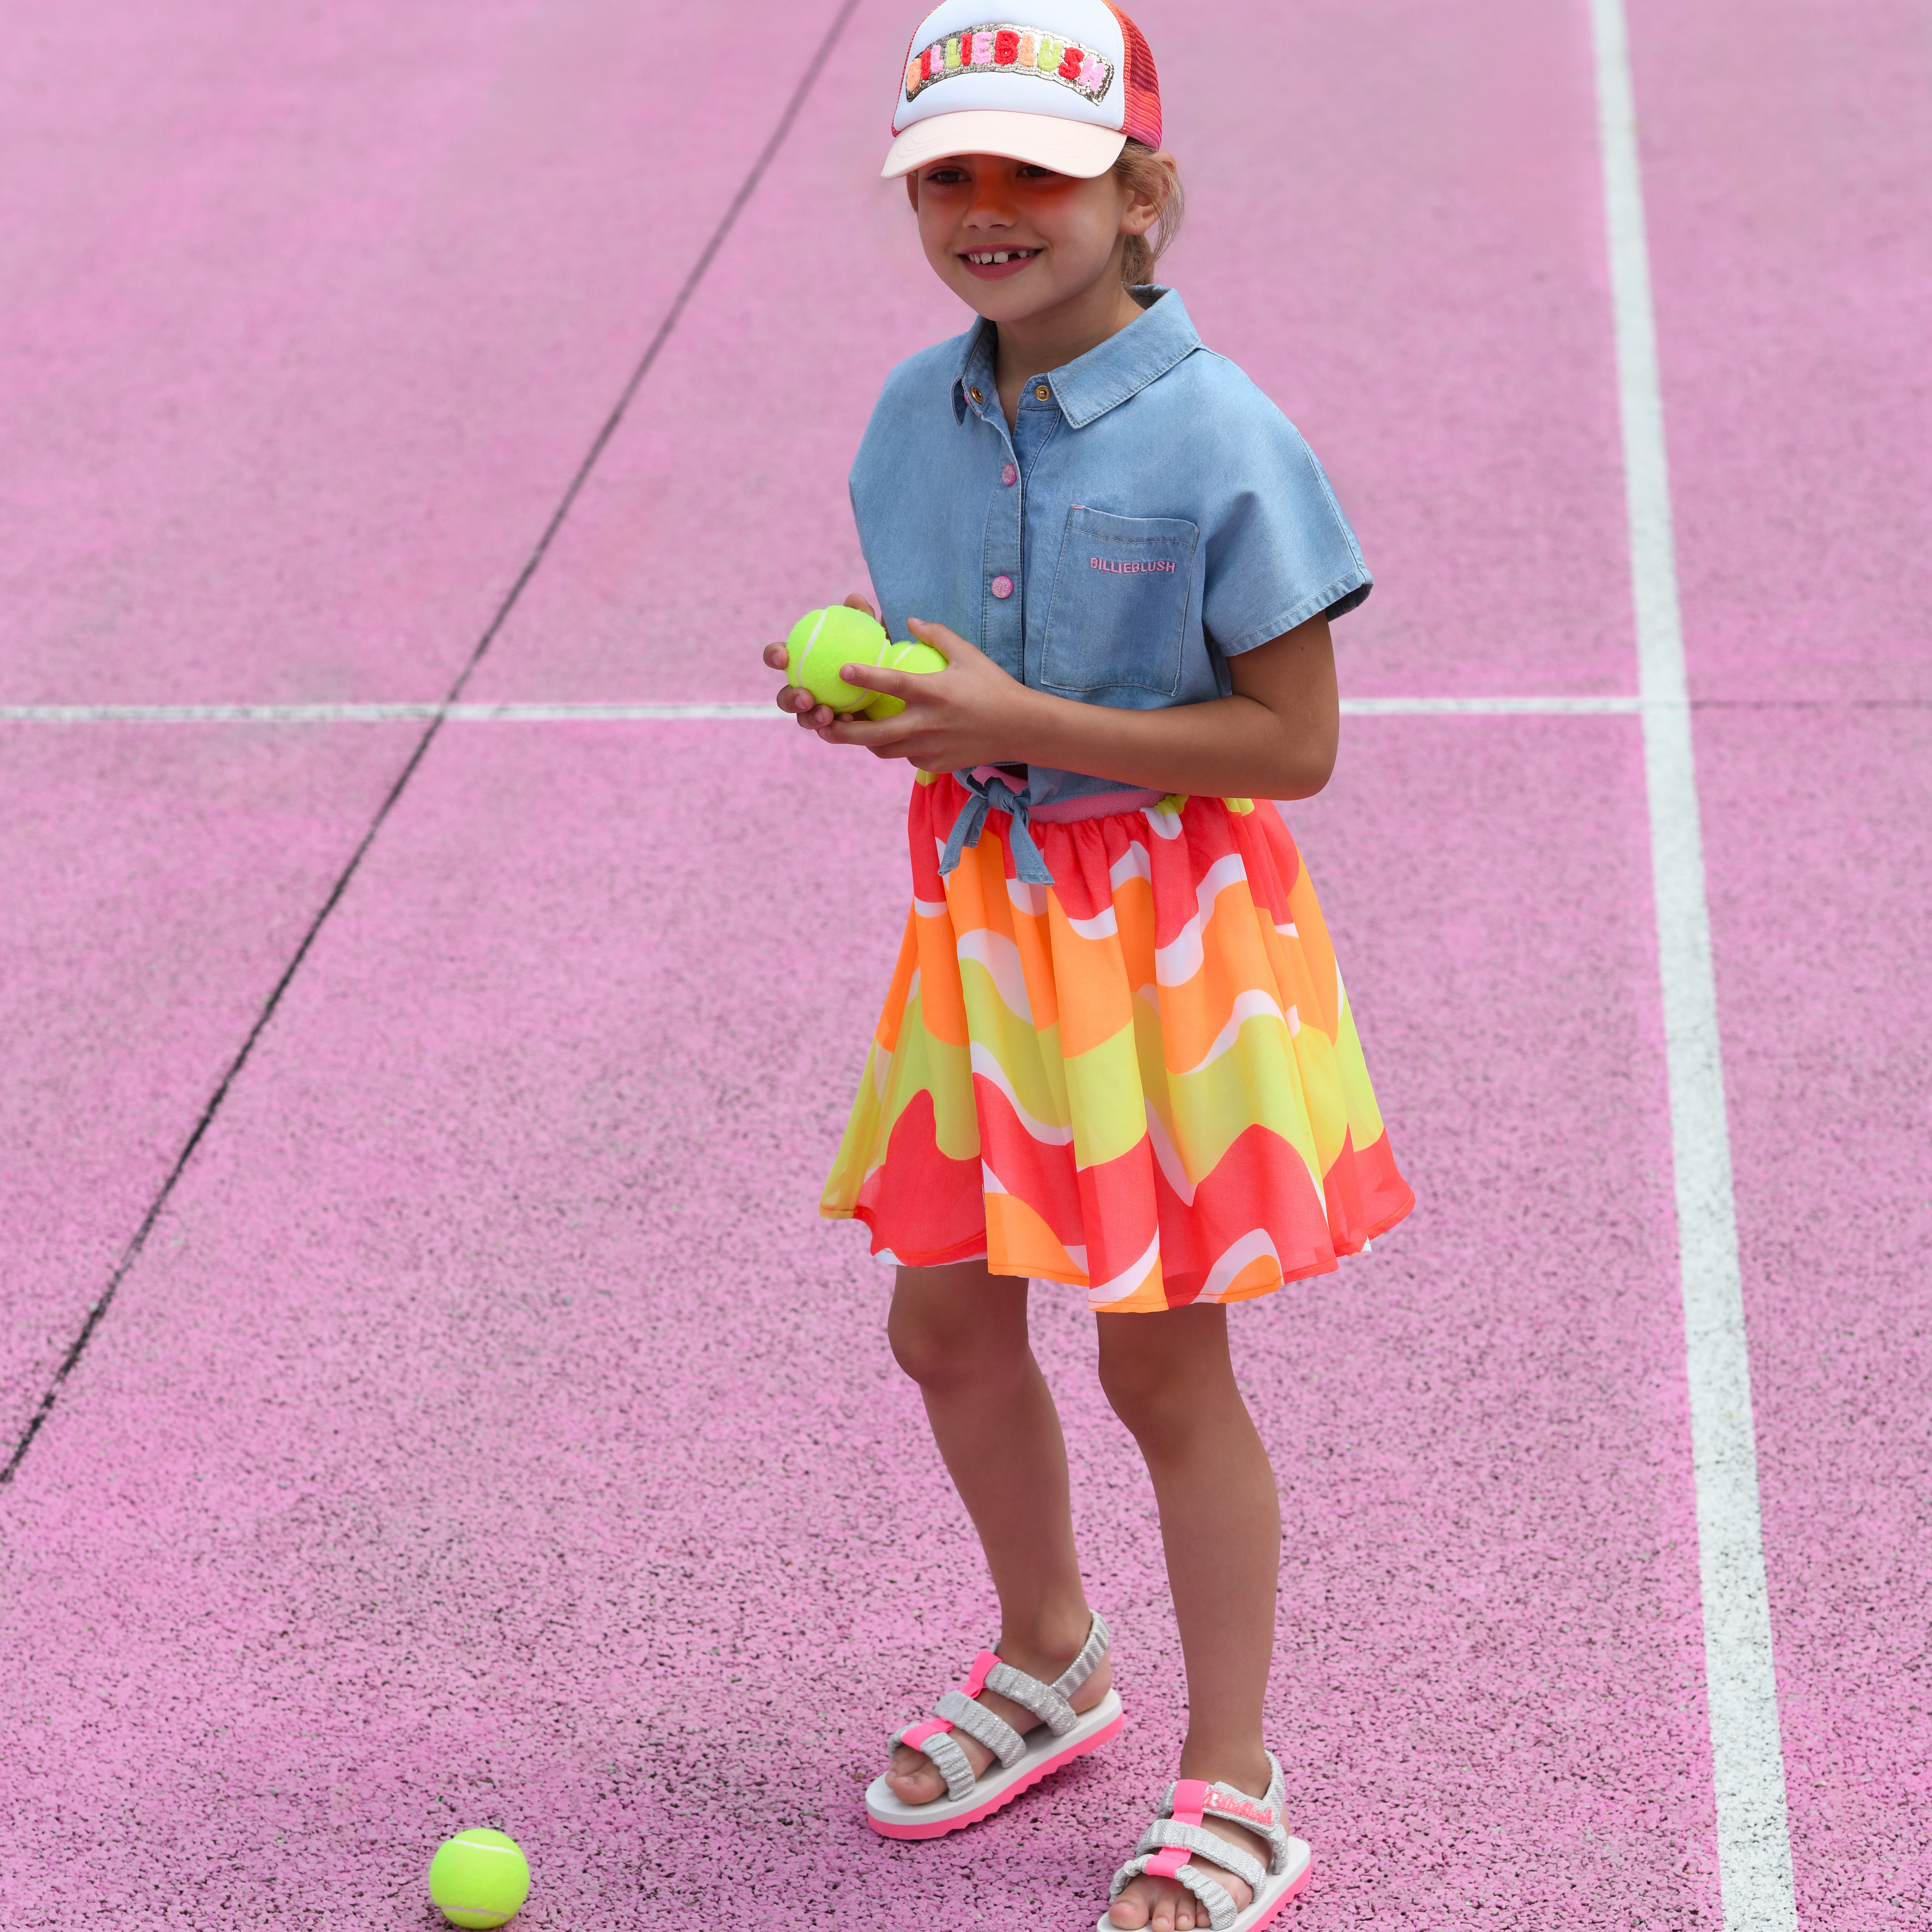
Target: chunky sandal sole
[[892, 1818], [1277, 1891]]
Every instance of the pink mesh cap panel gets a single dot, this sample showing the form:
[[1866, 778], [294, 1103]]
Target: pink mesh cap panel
[[1142, 83]]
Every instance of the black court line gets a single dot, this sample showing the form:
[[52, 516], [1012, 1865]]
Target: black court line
[[132, 1252]]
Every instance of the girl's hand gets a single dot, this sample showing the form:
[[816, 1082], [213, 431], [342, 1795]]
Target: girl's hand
[[800, 704], [969, 714]]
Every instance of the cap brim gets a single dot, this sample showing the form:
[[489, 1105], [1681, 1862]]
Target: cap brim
[[1067, 147]]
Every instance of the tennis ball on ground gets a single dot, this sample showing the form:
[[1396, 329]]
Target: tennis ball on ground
[[822, 641], [479, 1878], [908, 656]]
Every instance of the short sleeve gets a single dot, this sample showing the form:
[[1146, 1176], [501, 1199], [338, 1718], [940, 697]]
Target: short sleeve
[[1279, 550]]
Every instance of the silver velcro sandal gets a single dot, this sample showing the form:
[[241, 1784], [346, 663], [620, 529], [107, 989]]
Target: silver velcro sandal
[[1178, 1834], [1062, 1735]]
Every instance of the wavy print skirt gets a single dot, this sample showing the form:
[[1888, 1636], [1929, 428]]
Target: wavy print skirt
[[1144, 1079]]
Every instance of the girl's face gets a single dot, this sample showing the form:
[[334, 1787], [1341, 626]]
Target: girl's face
[[1011, 239]]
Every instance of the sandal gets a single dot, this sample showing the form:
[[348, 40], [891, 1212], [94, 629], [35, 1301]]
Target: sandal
[[1174, 1838], [1019, 1763]]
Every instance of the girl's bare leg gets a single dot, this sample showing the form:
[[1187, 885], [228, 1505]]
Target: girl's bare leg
[[960, 1333], [1170, 1381]]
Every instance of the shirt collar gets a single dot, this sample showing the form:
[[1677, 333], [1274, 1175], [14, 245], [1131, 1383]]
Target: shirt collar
[[1087, 387]]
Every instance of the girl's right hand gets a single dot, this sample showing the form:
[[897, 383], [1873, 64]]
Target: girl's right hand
[[801, 704]]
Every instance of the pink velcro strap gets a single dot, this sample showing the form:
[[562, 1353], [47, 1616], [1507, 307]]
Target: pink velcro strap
[[1167, 1862], [975, 1681], [1243, 1809], [916, 1735], [1190, 1797]]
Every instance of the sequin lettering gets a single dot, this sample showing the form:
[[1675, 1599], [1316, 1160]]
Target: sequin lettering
[[1003, 44]]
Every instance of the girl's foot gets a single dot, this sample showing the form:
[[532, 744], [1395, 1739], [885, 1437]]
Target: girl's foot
[[1166, 1905], [913, 1777], [1151, 1903]]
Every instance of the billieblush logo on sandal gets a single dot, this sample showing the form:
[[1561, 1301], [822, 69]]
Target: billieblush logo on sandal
[[1262, 1815], [1133, 567]]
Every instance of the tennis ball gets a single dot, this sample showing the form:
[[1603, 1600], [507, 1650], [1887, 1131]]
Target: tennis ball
[[821, 641], [479, 1878], [908, 656]]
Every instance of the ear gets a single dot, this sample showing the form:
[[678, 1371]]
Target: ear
[[1142, 212]]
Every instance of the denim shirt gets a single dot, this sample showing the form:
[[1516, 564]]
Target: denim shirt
[[1151, 515]]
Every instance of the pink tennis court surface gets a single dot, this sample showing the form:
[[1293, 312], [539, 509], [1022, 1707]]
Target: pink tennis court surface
[[481, 1428]]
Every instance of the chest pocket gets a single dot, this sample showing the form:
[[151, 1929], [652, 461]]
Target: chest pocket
[[1118, 621]]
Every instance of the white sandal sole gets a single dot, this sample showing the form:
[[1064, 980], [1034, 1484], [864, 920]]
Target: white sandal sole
[[891, 1817]]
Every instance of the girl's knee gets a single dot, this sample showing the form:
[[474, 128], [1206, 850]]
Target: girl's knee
[[1148, 1393], [1162, 1374], [942, 1338], [921, 1347]]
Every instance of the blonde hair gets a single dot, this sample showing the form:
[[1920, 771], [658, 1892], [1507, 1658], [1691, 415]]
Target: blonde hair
[[1147, 177]]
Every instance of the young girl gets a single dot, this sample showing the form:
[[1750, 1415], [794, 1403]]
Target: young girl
[[1116, 1053]]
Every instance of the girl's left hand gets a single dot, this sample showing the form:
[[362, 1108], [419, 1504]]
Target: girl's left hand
[[969, 714]]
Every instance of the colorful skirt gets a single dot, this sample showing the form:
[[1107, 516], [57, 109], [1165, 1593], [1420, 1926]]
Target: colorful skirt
[[1143, 1079]]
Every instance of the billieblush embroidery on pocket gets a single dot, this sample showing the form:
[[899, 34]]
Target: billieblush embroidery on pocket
[[1117, 625]]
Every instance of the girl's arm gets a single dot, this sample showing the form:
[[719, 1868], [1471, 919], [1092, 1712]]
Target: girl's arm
[[1274, 738]]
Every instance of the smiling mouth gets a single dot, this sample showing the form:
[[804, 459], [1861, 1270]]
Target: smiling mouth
[[990, 258]]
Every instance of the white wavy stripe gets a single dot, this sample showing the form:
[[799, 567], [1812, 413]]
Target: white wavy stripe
[[1179, 959], [990, 1069], [1133, 863], [1030, 899], [990, 1182], [1103, 1294], [1166, 824], [1248, 1006], [1001, 958], [1168, 1159], [1287, 932], [1102, 926], [929, 908], [1254, 1243]]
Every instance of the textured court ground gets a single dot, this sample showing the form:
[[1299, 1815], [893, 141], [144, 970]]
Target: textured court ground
[[484, 1431]]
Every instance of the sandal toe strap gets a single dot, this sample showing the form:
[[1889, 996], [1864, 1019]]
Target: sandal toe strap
[[1222, 1909], [1171, 1833], [949, 1760]]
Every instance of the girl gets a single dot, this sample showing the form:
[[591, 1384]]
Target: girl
[[1116, 1053]]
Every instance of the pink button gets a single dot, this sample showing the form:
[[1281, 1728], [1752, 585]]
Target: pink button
[[1002, 586], [1009, 476]]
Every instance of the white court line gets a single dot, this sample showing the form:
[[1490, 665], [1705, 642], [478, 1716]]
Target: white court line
[[361, 714], [1747, 1752], [554, 714]]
